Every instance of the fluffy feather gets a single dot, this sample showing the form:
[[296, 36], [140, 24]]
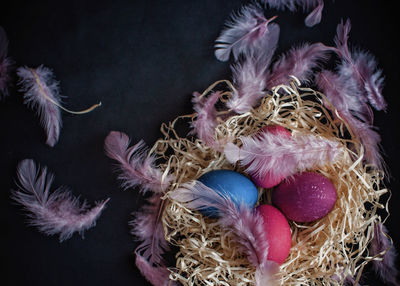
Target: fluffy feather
[[136, 169], [244, 223], [244, 32], [249, 75], [344, 95], [156, 275], [277, 155], [361, 66], [298, 62], [315, 16], [42, 92], [53, 213], [206, 119], [5, 63], [382, 246], [292, 5]]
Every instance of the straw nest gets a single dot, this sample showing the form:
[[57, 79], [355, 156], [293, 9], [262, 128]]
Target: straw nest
[[323, 252]]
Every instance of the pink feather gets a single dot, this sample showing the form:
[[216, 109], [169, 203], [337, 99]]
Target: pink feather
[[343, 93], [315, 16], [298, 62], [53, 213], [277, 155], [244, 223], [382, 247], [156, 275], [244, 33], [249, 75], [42, 92], [136, 168], [361, 66], [292, 5], [206, 119], [5, 64]]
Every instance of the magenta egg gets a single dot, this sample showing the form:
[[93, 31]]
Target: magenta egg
[[277, 232], [305, 197], [269, 181]]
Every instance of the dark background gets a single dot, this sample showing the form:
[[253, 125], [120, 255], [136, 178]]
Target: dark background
[[142, 60]]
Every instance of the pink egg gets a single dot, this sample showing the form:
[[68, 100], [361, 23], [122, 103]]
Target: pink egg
[[278, 233], [269, 181], [305, 197]]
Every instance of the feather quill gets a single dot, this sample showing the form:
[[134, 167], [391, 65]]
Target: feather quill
[[42, 92], [249, 74], [292, 5], [206, 119], [5, 64], [136, 169], [53, 213], [361, 66], [298, 62], [243, 33], [277, 155], [243, 222], [382, 246]]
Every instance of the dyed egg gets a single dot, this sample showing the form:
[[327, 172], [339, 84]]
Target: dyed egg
[[237, 186], [269, 181], [278, 233], [305, 197]]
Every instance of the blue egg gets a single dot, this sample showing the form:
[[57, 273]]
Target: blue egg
[[233, 184]]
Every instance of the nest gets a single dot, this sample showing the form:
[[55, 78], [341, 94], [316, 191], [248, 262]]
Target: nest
[[323, 252]]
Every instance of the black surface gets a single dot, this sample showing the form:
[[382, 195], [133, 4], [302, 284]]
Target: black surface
[[142, 60]]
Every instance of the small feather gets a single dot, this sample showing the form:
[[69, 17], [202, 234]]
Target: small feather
[[249, 74], [136, 169], [243, 33], [361, 66], [245, 223], [42, 92], [344, 95], [156, 275], [315, 16], [382, 247], [5, 64], [277, 155], [53, 213], [298, 62], [206, 119]]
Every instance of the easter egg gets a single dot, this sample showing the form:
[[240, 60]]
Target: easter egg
[[277, 231], [269, 180], [238, 187], [305, 197]]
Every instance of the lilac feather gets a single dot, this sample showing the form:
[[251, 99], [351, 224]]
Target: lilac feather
[[206, 119], [344, 95], [42, 92], [315, 16], [245, 223], [249, 74], [53, 213], [292, 5], [277, 155], [136, 169], [5, 64], [298, 62], [382, 247], [243, 33], [361, 66], [156, 275]]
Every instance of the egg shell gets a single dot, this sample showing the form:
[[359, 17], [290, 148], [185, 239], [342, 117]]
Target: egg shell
[[278, 233], [305, 197], [237, 186], [269, 181]]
